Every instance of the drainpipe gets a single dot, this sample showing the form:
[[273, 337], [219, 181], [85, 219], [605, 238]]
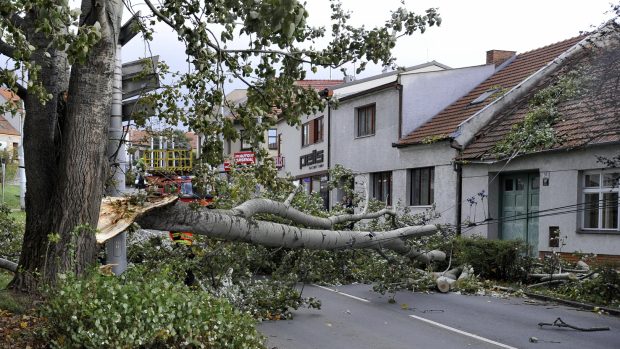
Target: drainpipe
[[399, 87], [329, 147], [458, 167]]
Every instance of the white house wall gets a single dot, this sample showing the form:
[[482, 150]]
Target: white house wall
[[565, 172], [375, 153], [428, 94], [292, 149]]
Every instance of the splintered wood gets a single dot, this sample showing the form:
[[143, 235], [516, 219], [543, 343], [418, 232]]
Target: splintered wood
[[117, 214]]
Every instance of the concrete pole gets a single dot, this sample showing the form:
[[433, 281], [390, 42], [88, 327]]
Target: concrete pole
[[115, 133], [116, 248]]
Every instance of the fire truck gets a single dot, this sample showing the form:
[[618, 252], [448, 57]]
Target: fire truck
[[169, 173]]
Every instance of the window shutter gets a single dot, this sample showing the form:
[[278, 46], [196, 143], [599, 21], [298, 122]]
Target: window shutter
[[311, 126]]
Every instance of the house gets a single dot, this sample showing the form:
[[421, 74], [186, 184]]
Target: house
[[10, 124], [432, 147], [302, 150], [534, 162], [369, 122], [239, 149]]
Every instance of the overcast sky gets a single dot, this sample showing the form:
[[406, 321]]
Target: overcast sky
[[468, 30]]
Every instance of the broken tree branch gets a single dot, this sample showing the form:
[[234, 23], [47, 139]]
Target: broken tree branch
[[221, 224], [256, 206], [550, 282], [548, 277], [8, 265], [7, 50], [290, 198], [560, 323], [399, 246]]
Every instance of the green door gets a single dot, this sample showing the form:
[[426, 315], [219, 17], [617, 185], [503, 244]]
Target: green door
[[519, 208]]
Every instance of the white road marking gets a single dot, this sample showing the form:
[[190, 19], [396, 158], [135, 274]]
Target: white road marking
[[501, 345], [342, 293]]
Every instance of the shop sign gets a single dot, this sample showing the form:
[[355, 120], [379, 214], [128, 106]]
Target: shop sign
[[316, 157], [241, 158], [279, 160]]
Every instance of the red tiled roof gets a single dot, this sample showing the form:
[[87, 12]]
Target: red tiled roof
[[524, 65], [8, 94], [6, 128], [592, 117], [318, 85], [143, 137]]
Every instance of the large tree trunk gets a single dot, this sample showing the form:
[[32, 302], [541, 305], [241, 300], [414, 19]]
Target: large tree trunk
[[40, 158], [65, 195]]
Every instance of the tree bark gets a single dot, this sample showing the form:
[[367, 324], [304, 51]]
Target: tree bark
[[65, 180], [8, 265], [223, 225], [40, 157]]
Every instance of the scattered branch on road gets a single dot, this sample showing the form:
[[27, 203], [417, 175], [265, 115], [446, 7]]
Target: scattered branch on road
[[560, 323]]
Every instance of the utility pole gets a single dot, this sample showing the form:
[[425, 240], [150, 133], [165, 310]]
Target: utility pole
[[116, 248]]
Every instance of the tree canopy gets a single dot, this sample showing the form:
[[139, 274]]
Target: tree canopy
[[58, 55]]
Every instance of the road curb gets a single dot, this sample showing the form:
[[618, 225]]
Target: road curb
[[586, 306]]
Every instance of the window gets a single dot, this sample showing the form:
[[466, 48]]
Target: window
[[318, 184], [422, 186], [365, 121], [382, 187], [272, 138], [600, 200], [312, 132], [245, 141]]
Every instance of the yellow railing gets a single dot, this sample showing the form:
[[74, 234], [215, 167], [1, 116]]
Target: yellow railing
[[174, 160]]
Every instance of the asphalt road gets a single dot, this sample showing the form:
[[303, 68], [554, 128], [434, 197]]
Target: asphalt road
[[353, 316]]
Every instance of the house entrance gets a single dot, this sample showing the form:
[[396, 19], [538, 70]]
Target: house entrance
[[519, 209]]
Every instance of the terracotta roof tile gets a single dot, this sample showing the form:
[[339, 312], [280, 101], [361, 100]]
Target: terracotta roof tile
[[592, 117], [319, 85], [524, 65], [6, 128], [8, 94], [143, 137]]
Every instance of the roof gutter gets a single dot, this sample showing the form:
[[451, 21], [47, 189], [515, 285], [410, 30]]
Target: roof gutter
[[467, 130], [538, 152], [393, 84]]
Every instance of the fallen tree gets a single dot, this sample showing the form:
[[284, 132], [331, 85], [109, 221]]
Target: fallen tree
[[117, 214]]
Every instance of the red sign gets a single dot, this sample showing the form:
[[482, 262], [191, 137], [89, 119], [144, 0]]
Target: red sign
[[245, 158], [241, 158], [279, 160]]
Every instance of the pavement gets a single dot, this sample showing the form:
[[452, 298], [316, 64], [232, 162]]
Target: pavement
[[353, 316]]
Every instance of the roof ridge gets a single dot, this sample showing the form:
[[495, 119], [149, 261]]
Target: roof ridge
[[513, 74], [557, 43]]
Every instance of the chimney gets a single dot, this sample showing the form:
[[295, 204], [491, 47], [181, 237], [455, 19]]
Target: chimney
[[498, 57], [348, 78]]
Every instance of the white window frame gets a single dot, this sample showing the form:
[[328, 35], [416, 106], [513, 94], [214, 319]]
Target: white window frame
[[602, 189]]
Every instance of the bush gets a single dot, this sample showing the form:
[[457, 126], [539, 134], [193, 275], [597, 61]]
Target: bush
[[130, 178], [135, 310], [493, 259], [603, 289], [11, 235]]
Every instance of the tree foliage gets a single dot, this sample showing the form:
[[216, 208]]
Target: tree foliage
[[53, 48]]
